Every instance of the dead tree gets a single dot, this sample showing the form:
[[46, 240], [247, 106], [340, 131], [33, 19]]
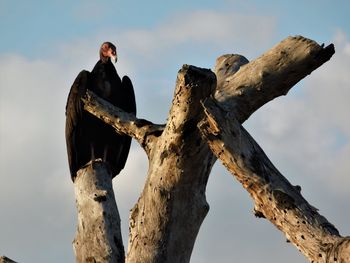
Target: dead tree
[[204, 124]]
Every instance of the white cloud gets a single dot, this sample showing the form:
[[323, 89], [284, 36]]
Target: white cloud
[[33, 166], [215, 30]]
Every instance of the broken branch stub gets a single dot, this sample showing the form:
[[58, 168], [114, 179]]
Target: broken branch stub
[[98, 237]]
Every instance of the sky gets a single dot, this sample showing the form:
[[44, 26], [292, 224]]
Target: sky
[[45, 44]]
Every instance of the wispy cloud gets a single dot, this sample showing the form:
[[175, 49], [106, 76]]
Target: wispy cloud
[[223, 30]]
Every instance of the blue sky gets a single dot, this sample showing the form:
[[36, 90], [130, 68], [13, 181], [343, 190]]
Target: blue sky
[[32, 27], [44, 45]]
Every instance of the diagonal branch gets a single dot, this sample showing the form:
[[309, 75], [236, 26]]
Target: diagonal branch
[[145, 132], [275, 198], [271, 75]]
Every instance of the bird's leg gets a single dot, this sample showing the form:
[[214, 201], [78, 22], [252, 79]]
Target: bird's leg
[[92, 152], [105, 153]]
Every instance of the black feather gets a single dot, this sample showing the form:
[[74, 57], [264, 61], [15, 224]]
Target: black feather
[[88, 137]]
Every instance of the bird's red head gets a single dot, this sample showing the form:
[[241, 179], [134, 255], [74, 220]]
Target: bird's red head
[[108, 51]]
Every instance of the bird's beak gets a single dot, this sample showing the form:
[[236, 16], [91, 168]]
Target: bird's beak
[[114, 58]]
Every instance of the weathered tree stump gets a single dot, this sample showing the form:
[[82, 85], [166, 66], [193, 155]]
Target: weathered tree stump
[[98, 237]]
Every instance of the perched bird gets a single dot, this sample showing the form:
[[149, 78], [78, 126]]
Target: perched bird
[[87, 137]]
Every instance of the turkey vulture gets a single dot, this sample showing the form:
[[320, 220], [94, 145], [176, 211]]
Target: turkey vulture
[[88, 137]]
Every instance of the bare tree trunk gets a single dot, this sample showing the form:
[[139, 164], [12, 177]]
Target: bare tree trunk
[[98, 237], [166, 219]]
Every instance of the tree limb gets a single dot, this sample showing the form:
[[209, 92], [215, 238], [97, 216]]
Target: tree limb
[[145, 132], [271, 75], [275, 198]]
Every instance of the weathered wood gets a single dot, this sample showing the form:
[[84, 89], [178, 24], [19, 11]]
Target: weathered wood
[[269, 76], [226, 66], [275, 198], [98, 237], [166, 219]]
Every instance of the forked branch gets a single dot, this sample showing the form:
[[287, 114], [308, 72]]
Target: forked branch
[[167, 217]]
